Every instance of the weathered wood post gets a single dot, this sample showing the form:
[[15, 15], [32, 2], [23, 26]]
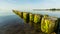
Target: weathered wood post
[[31, 17], [48, 24], [26, 16], [37, 22], [37, 18], [20, 14]]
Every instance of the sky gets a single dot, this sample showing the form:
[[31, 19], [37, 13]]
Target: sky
[[28, 4]]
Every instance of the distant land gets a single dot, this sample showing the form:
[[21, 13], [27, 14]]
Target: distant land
[[53, 9]]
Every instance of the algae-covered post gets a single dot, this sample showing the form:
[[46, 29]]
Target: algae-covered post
[[48, 24], [37, 18], [26, 16], [20, 14], [37, 22], [15, 11], [31, 17]]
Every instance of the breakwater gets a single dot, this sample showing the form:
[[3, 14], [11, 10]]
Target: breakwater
[[45, 23]]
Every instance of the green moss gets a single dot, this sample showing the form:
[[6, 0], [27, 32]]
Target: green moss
[[37, 18], [48, 24], [31, 17], [20, 14], [26, 16]]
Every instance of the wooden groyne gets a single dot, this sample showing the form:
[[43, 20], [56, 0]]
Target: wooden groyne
[[47, 24]]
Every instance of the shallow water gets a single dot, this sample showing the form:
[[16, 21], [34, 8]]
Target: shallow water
[[15, 25]]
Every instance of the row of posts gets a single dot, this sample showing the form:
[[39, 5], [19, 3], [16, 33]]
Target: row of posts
[[44, 23]]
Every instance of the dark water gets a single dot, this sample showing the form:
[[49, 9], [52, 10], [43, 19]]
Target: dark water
[[9, 24], [12, 24]]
